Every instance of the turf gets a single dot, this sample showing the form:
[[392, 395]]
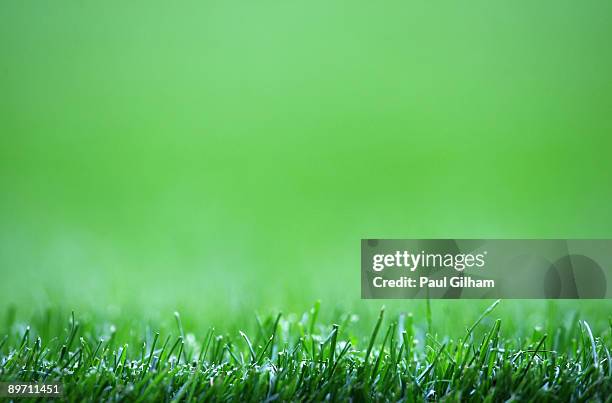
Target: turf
[[291, 358]]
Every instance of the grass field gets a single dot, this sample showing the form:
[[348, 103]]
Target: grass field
[[495, 357], [223, 160]]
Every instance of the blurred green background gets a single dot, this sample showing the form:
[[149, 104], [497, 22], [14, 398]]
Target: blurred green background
[[222, 157]]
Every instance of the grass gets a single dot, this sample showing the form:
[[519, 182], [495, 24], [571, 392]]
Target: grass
[[291, 358]]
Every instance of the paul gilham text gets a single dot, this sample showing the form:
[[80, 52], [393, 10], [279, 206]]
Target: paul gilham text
[[423, 282]]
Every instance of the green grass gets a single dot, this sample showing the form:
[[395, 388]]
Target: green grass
[[291, 357], [223, 158]]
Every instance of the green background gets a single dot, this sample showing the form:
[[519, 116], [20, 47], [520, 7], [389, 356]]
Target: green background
[[223, 157]]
